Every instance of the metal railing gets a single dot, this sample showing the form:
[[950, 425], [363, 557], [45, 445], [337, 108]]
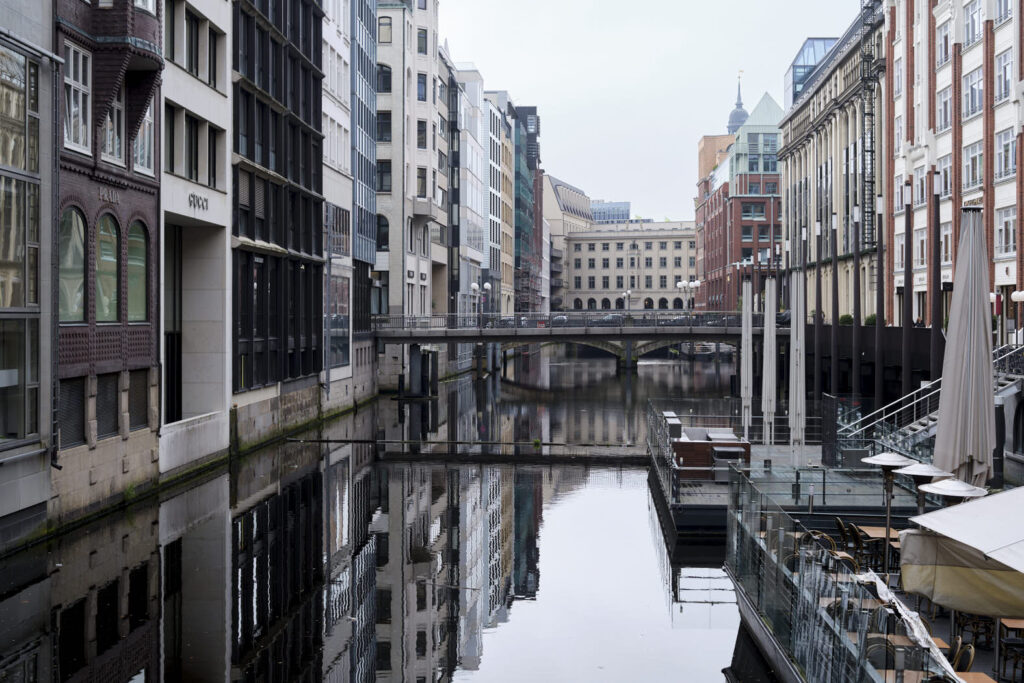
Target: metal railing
[[569, 319], [834, 624]]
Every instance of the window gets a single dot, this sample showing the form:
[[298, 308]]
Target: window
[[383, 126], [662, 281], [604, 263], [753, 163], [648, 262], [693, 262], [577, 247], [942, 44], [212, 136], [677, 262], [421, 181], [973, 19], [920, 186], [753, 188], [577, 283], [944, 109], [382, 233], [136, 272], [662, 261], [974, 92], [591, 283], [771, 188], [192, 147], [591, 263], [662, 245], [421, 87], [383, 176], [619, 282], [77, 101], [897, 76], [946, 230], [618, 246], [72, 267], [1004, 10], [678, 244], [192, 24], [604, 246], [752, 211], [577, 263], [899, 251], [421, 4], [142, 147], [211, 58], [1006, 231], [605, 284], [944, 169], [591, 246], [421, 134], [384, 30], [973, 156], [747, 233], [920, 247], [1004, 74], [421, 41], [383, 79], [648, 281], [648, 245], [762, 232], [1006, 154], [897, 135], [108, 261], [618, 262], [148, 5], [113, 131]]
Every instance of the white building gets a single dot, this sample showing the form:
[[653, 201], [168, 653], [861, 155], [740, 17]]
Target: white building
[[196, 219], [337, 191], [474, 185]]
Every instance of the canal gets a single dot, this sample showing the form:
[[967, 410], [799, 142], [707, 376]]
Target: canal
[[374, 549]]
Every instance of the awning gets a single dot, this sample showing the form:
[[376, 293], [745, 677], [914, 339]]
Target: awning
[[971, 556]]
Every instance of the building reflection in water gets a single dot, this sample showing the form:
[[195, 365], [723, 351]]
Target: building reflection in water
[[308, 561]]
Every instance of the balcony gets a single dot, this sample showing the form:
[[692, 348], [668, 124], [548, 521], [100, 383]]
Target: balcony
[[423, 207], [556, 268], [557, 254], [557, 283]]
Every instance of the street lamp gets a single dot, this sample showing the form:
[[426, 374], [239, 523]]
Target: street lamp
[[1017, 297], [625, 296], [889, 462], [475, 288]]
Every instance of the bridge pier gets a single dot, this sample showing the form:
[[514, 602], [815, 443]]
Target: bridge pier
[[415, 370], [628, 359]]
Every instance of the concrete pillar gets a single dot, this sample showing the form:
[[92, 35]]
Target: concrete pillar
[[629, 358], [415, 370], [434, 383]]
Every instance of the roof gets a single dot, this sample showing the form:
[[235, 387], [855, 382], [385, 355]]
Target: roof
[[989, 525], [767, 113]]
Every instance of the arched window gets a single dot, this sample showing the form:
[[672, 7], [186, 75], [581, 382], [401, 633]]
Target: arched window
[[648, 303], [663, 303], [383, 228], [72, 266], [619, 304], [108, 261], [591, 304], [606, 304], [383, 78], [677, 303], [384, 30], [578, 304], [137, 273]]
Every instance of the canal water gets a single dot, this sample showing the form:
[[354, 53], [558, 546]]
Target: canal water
[[374, 549]]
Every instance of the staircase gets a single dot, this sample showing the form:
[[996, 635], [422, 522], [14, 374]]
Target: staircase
[[908, 425]]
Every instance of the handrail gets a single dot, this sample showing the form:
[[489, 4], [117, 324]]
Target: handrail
[[902, 406], [610, 318]]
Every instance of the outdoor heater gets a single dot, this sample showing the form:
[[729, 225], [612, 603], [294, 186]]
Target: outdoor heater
[[922, 473], [889, 462]]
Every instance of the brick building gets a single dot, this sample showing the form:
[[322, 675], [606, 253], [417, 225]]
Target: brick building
[[108, 250], [738, 211]]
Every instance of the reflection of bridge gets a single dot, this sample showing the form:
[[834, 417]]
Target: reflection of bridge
[[644, 330]]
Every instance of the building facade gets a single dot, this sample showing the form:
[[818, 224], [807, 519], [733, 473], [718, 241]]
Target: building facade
[[195, 239], [632, 266], [566, 210], [108, 245], [28, 291], [278, 245], [738, 225]]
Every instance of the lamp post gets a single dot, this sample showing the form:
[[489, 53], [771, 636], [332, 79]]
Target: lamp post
[[626, 296], [1017, 297], [889, 462], [487, 292]]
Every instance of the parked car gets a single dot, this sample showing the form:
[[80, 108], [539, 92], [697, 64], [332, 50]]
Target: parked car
[[508, 321], [559, 321], [678, 321], [610, 320]]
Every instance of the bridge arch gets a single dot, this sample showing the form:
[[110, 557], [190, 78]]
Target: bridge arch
[[614, 348]]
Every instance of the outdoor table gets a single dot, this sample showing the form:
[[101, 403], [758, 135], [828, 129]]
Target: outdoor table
[[976, 677], [879, 532], [890, 676]]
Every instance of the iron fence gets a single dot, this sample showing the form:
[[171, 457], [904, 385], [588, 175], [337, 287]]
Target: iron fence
[[571, 319]]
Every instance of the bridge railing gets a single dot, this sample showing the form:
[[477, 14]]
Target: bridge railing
[[573, 319]]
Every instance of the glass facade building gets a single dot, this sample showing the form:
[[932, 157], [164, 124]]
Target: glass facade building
[[810, 54]]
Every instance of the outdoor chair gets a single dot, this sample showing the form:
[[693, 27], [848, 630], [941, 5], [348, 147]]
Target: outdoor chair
[[981, 628], [926, 622], [880, 653], [964, 659], [844, 535], [846, 561], [865, 550], [954, 647], [821, 537], [1011, 650]]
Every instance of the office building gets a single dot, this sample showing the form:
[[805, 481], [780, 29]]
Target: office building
[[610, 212], [196, 210], [108, 246], [631, 266], [566, 210], [277, 245], [472, 193], [28, 291], [503, 112]]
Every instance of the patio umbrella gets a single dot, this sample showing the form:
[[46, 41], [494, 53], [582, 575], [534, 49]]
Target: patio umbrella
[[967, 429], [746, 360], [768, 371], [797, 358]]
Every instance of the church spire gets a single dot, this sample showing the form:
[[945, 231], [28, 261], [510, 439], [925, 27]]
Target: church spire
[[739, 97], [739, 115]]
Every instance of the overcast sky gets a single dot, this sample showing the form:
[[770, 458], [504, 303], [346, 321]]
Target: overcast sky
[[625, 89]]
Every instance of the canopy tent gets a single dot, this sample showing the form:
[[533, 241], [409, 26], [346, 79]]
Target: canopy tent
[[970, 557], [769, 372], [966, 432], [746, 358]]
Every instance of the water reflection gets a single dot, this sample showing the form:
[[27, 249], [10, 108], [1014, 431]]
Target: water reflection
[[312, 561]]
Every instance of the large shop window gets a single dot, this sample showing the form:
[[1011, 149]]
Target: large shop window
[[108, 257], [72, 266], [19, 379]]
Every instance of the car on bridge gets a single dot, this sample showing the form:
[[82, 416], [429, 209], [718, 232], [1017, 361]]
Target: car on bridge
[[679, 321], [610, 320]]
